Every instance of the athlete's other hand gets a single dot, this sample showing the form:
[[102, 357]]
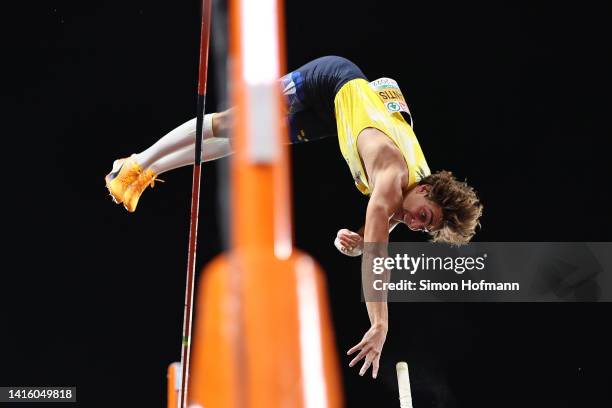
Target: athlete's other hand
[[370, 347], [349, 243]]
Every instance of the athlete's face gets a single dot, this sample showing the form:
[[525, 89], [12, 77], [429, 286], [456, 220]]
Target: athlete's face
[[418, 212]]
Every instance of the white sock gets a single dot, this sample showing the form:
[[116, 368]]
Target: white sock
[[212, 149], [175, 141]]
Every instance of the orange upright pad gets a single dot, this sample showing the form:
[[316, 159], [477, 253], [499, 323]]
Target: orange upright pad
[[174, 384], [263, 334]]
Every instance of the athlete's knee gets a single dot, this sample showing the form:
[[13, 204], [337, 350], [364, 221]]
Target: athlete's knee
[[222, 123]]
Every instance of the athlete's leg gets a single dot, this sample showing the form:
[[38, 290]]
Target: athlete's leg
[[214, 148], [183, 137], [174, 150], [216, 144], [304, 126]]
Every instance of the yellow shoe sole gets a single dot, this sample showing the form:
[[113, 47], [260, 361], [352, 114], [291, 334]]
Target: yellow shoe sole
[[114, 190]]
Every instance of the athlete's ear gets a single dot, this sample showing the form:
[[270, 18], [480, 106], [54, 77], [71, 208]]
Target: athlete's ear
[[423, 188]]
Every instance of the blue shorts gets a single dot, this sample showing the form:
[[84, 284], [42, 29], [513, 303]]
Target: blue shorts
[[310, 91]]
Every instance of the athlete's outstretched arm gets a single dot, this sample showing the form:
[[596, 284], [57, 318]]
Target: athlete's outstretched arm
[[386, 199]]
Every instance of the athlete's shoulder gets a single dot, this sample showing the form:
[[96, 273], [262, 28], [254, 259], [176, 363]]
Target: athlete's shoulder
[[387, 188]]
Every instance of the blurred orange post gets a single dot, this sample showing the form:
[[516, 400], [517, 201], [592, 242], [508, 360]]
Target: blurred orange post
[[174, 384], [263, 334]]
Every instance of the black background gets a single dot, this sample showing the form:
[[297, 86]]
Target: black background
[[512, 96]]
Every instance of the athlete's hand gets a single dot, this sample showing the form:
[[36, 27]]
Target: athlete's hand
[[349, 243], [370, 347]]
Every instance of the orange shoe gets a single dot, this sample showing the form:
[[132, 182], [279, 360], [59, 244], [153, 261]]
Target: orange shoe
[[125, 171], [134, 191]]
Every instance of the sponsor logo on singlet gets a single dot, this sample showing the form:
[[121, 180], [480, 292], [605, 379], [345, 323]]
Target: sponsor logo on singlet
[[390, 94]]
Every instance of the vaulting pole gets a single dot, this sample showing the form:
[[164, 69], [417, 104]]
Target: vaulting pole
[[195, 202]]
